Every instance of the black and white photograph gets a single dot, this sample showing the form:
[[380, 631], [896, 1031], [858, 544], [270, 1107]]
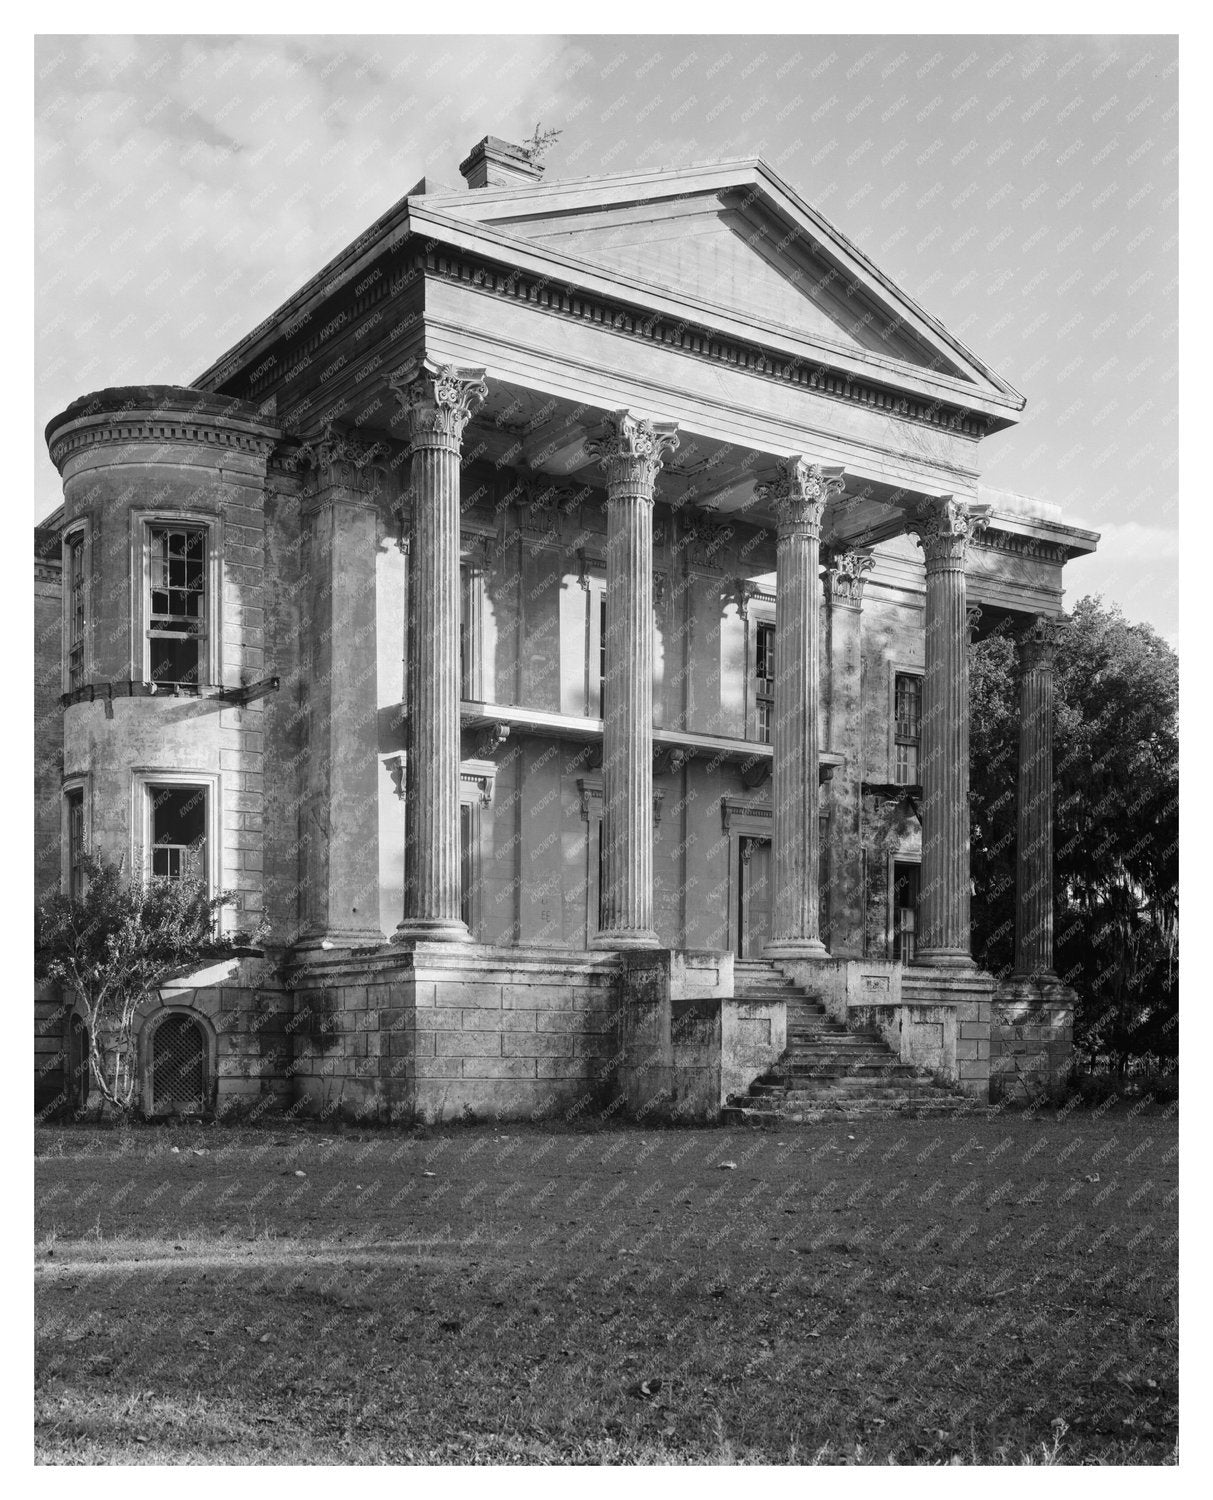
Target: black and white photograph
[[606, 742]]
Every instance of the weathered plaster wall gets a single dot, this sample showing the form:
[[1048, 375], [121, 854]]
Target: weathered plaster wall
[[112, 487]]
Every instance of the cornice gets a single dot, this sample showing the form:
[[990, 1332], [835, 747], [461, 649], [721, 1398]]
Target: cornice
[[1016, 544], [91, 423], [813, 372]]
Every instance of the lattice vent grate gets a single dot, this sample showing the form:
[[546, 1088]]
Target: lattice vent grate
[[179, 1058]]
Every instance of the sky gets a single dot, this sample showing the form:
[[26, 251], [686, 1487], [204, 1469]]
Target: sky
[[1024, 190]]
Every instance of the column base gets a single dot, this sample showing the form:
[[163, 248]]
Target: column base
[[431, 930], [944, 958], [795, 948], [325, 942], [626, 937], [1043, 977]]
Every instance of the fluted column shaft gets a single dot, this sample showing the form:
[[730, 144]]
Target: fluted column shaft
[[437, 404], [631, 453], [944, 528], [799, 497], [844, 576], [1034, 848]]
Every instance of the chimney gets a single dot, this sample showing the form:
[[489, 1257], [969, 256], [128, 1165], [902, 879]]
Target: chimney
[[498, 163]]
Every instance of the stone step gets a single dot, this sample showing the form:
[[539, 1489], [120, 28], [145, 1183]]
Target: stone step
[[842, 1111], [831, 1056], [776, 1092], [844, 1041], [828, 1072], [858, 1072], [780, 1108]]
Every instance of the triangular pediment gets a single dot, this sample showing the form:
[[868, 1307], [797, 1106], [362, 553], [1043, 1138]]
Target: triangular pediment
[[734, 240], [719, 250]]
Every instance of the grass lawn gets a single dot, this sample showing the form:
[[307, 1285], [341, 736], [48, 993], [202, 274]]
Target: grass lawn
[[1000, 1290]]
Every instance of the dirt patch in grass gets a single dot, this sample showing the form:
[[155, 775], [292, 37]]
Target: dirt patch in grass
[[999, 1290]]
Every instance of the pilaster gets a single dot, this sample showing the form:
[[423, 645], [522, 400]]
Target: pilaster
[[339, 836]]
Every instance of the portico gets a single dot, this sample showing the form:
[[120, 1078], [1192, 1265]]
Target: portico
[[625, 552]]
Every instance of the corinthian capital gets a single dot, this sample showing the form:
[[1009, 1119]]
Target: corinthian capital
[[846, 573], [800, 493], [945, 526], [1038, 644], [437, 401], [335, 459], [631, 450]]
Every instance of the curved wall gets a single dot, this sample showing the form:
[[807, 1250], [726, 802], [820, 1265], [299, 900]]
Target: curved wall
[[133, 458]]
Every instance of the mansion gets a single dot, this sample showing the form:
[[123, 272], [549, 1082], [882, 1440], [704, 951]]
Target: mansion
[[551, 624]]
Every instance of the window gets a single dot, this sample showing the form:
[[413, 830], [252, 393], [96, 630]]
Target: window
[[76, 605], [178, 819], [602, 655], [764, 681], [467, 865], [907, 728], [471, 590], [177, 614], [75, 842]]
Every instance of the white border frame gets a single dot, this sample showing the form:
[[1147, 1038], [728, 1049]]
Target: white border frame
[[145, 777], [143, 518]]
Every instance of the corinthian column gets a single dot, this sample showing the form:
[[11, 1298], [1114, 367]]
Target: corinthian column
[[844, 574], [437, 404], [630, 452], [1034, 847], [799, 496], [944, 528]]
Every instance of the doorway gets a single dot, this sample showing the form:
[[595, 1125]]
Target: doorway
[[754, 914], [906, 882]]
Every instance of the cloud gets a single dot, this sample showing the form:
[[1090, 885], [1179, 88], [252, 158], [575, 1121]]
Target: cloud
[[185, 186]]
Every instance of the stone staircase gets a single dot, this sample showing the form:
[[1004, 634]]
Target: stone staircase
[[828, 1072]]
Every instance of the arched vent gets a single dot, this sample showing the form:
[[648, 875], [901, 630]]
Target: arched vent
[[179, 1065]]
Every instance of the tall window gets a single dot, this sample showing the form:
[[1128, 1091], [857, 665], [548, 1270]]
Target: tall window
[[75, 612], [467, 868], [75, 842], [471, 593], [907, 728], [178, 831], [602, 655], [764, 681], [177, 616]]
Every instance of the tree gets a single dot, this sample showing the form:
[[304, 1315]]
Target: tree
[[116, 945], [1116, 817]]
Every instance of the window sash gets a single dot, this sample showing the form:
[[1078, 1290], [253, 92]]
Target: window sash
[[171, 858], [907, 709], [177, 587], [75, 843], [764, 682], [906, 766], [602, 654]]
